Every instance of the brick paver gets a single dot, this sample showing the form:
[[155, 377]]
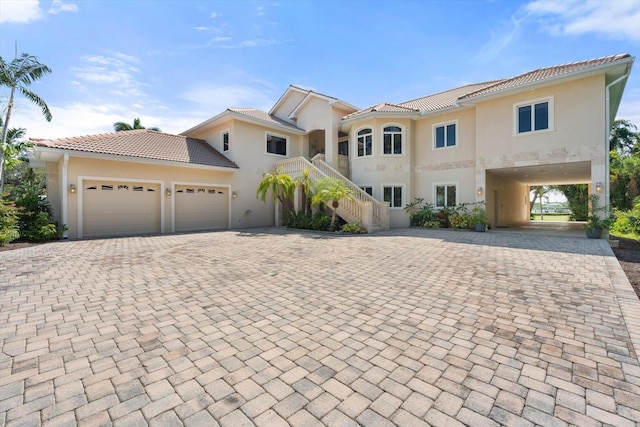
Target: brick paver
[[272, 327]]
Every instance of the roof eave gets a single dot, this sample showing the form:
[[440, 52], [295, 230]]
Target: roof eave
[[206, 123], [597, 69], [381, 115], [249, 119], [116, 157]]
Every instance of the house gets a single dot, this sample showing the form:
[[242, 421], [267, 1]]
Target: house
[[488, 142]]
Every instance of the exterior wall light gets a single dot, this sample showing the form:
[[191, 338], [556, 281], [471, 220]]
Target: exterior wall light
[[72, 188], [598, 186], [234, 194], [167, 192], [479, 191]]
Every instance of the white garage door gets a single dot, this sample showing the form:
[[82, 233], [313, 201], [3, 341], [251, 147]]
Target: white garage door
[[201, 208], [119, 208]]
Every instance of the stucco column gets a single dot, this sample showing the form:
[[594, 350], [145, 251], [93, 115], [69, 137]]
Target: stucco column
[[331, 146]]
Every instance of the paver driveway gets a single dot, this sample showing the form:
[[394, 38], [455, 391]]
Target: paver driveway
[[268, 327]]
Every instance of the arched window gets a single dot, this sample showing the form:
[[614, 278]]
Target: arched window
[[392, 140], [365, 142]]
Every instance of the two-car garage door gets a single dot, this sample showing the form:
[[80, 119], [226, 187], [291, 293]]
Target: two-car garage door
[[121, 208]]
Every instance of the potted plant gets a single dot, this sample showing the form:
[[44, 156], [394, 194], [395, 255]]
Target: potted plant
[[596, 220], [479, 217]]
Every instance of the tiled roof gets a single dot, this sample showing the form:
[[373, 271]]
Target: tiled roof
[[385, 107], [545, 73], [451, 97], [144, 144], [447, 98], [266, 117]]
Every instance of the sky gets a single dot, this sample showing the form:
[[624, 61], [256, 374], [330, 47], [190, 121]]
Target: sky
[[175, 64]]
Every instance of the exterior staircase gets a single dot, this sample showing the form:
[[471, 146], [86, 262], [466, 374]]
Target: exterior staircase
[[364, 209]]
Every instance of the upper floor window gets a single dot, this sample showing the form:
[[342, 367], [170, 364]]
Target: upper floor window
[[365, 142], [276, 145], [393, 195], [533, 116], [392, 140], [225, 141], [446, 195], [445, 135]]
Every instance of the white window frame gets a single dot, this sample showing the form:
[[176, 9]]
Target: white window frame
[[222, 134], [356, 136], [445, 185], [445, 124], [402, 139], [404, 195], [532, 102], [286, 138]]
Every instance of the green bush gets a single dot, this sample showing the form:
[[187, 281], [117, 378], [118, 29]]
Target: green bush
[[34, 214], [299, 220], [353, 228], [422, 213], [463, 221], [628, 222], [320, 221], [8, 222]]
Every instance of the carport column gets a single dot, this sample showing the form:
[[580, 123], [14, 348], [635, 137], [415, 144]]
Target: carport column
[[65, 198]]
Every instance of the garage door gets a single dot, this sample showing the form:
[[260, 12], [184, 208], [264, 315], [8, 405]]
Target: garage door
[[201, 208], [119, 208]]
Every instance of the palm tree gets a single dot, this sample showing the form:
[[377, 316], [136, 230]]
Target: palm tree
[[122, 126], [18, 75], [330, 191], [281, 184], [623, 137], [306, 183]]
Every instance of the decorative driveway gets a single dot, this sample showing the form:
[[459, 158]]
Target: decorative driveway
[[269, 327]]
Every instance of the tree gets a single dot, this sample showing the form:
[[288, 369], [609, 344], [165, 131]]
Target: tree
[[18, 75], [122, 126], [538, 191], [623, 137], [281, 184], [578, 197], [306, 183], [331, 191]]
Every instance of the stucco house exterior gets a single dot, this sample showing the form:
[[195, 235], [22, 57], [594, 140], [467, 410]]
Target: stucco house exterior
[[488, 142]]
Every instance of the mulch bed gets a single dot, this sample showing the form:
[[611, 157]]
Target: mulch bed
[[627, 252]]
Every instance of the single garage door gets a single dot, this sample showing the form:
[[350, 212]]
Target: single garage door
[[201, 208], [119, 208]]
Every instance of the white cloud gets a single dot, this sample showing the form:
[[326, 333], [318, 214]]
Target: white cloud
[[630, 107], [612, 19], [260, 11], [217, 98], [500, 40], [115, 69], [59, 6], [214, 15], [20, 11]]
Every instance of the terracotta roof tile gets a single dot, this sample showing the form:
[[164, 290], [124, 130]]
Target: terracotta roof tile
[[266, 117], [545, 73], [451, 97], [385, 107], [145, 144]]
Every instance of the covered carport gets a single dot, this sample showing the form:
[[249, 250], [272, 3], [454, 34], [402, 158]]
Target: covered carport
[[507, 191]]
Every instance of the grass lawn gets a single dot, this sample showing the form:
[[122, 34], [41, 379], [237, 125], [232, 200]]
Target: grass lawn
[[551, 217]]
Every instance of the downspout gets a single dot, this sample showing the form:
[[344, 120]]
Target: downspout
[[65, 185], [607, 137]]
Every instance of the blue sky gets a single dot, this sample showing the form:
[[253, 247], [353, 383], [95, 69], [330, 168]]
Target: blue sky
[[177, 63]]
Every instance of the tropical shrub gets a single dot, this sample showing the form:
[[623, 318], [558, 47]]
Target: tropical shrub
[[353, 228], [8, 222], [299, 219], [422, 214], [320, 221], [461, 221], [628, 222]]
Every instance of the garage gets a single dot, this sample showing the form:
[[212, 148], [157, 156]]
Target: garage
[[120, 208], [199, 207]]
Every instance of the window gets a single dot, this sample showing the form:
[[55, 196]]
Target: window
[[392, 140], [533, 116], [446, 195], [445, 135], [365, 142], [225, 141], [276, 145], [368, 189], [393, 195]]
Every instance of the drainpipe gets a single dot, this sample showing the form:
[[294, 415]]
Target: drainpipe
[[65, 185], [607, 120]]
